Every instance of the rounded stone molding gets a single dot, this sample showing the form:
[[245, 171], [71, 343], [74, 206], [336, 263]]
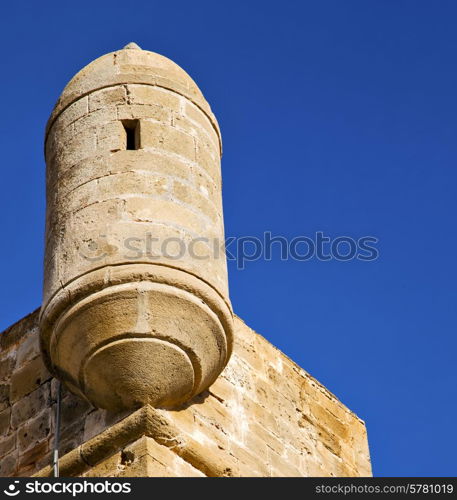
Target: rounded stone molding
[[131, 65]]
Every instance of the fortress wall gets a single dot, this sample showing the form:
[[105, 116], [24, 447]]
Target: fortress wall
[[264, 416]]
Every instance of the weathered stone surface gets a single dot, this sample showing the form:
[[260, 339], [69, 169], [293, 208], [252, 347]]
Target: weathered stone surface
[[8, 465], [28, 378], [72, 435], [122, 159], [31, 456], [28, 349], [263, 416], [30, 405], [15, 333], [5, 418], [6, 367], [144, 457], [73, 409], [7, 444], [4, 396], [34, 431]]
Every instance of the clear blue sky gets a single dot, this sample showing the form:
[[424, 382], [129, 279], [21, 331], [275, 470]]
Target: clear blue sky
[[338, 116]]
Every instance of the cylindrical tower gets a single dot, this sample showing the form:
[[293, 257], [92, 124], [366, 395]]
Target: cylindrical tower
[[135, 304]]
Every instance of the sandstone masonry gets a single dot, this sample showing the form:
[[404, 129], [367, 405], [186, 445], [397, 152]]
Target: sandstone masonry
[[264, 416]]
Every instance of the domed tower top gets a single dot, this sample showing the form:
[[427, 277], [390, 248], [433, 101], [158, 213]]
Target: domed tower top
[[131, 65]]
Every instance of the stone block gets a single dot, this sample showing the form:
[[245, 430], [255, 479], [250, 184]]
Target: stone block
[[104, 98], [166, 138], [5, 418], [6, 367], [30, 405], [194, 114], [28, 378], [4, 396], [165, 211], [28, 349], [147, 94], [32, 455], [9, 464], [7, 444], [34, 431], [144, 112], [76, 110]]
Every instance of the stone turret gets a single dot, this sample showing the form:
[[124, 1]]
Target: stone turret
[[135, 305]]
